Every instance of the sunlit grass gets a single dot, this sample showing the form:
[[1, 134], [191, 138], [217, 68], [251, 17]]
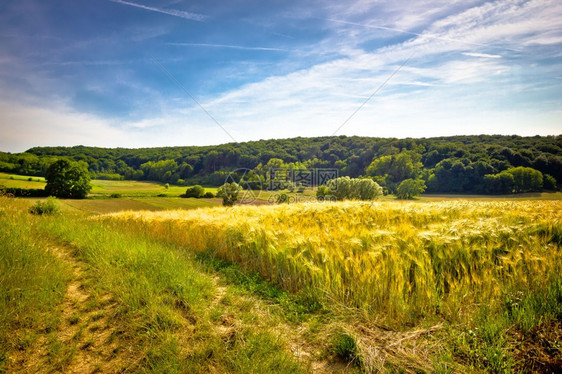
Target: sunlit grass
[[407, 260]]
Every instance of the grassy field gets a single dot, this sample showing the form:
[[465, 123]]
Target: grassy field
[[458, 284], [21, 181], [104, 187], [137, 188], [492, 266]]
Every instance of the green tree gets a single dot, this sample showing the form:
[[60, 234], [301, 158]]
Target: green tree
[[195, 191], [526, 179], [229, 193], [549, 182], [68, 180], [409, 188], [393, 169], [501, 183]]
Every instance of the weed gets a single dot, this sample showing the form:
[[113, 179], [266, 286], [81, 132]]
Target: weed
[[48, 207]]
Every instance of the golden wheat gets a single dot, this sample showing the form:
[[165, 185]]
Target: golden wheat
[[403, 259]]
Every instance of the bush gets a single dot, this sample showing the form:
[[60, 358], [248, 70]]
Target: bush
[[23, 192], [209, 195], [196, 191], [49, 206], [229, 193], [115, 195], [344, 346], [351, 189], [110, 176]]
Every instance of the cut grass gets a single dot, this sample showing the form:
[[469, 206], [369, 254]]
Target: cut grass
[[129, 188], [21, 181]]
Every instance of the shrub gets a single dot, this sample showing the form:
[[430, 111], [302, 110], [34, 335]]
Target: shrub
[[110, 176], [344, 346], [115, 195], [209, 195], [49, 206], [229, 193], [195, 191], [23, 192], [346, 188]]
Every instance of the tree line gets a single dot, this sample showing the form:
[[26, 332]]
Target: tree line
[[457, 164]]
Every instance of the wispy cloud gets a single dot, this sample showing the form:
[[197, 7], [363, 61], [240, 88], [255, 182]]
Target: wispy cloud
[[482, 55], [230, 46], [424, 35], [171, 12]]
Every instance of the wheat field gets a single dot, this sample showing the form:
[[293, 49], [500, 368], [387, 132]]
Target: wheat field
[[404, 260]]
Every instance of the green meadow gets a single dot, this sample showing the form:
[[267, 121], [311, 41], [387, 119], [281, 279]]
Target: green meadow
[[156, 286]]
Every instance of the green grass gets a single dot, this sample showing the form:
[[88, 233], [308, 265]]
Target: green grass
[[138, 188], [174, 311], [166, 312], [32, 280], [21, 181]]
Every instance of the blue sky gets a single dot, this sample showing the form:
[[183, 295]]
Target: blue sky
[[121, 73]]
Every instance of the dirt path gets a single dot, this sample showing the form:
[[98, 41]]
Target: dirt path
[[87, 338]]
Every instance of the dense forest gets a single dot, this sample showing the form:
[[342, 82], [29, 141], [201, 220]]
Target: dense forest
[[458, 164]]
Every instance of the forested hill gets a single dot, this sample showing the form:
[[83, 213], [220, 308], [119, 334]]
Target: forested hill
[[456, 164]]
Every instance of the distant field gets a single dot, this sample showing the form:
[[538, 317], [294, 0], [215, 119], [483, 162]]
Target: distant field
[[102, 206], [21, 181], [138, 188], [104, 187]]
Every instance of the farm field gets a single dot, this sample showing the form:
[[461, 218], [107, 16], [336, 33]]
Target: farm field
[[21, 181], [100, 187], [101, 206], [450, 286]]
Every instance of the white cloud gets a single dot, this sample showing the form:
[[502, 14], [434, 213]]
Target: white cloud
[[482, 55], [27, 126]]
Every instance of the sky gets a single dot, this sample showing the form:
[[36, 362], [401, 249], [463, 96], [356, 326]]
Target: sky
[[139, 73]]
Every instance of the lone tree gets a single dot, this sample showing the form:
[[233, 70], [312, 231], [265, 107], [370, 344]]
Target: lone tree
[[229, 193], [68, 180]]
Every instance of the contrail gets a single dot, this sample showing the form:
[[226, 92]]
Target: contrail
[[228, 46], [422, 35], [171, 12]]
